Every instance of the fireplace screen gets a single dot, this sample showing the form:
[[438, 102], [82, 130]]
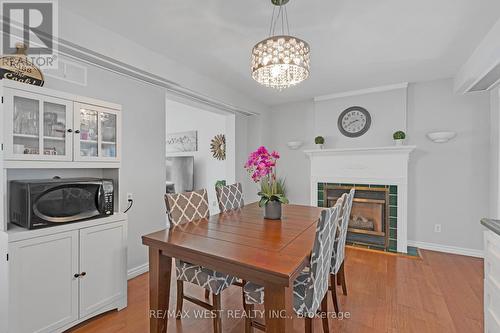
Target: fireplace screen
[[369, 220]]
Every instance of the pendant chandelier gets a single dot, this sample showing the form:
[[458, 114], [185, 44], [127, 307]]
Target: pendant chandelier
[[281, 60]]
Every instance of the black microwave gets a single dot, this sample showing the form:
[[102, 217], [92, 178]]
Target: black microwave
[[42, 203]]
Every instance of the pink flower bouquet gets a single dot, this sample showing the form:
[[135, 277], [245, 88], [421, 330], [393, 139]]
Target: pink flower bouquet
[[261, 166]]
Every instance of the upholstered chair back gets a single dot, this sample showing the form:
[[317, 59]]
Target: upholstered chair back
[[230, 197], [187, 207], [317, 282], [339, 250]]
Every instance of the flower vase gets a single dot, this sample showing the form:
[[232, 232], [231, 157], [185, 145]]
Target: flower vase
[[272, 210]]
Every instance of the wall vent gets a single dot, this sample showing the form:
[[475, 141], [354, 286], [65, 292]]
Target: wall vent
[[69, 72]]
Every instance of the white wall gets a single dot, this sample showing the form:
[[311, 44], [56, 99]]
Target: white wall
[[431, 106], [143, 166], [387, 110], [495, 153], [207, 169], [448, 183]]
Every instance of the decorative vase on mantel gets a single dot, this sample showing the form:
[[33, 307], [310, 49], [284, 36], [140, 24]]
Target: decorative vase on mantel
[[261, 166]]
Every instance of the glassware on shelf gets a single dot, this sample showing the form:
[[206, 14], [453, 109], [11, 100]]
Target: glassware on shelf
[[26, 126], [88, 133], [54, 121]]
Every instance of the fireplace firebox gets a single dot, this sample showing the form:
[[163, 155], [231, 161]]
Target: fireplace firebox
[[369, 220]]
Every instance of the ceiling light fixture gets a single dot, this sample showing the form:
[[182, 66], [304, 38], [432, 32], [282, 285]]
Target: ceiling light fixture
[[280, 61]]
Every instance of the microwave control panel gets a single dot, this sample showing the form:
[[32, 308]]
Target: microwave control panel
[[108, 203]]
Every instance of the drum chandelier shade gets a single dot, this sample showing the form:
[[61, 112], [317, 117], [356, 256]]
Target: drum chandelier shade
[[280, 61]]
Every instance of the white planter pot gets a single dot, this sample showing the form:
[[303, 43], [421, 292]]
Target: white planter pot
[[319, 146], [399, 142]]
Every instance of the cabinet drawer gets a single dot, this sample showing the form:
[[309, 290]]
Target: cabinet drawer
[[491, 308]]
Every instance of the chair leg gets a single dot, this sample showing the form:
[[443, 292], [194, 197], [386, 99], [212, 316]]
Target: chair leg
[[342, 273], [207, 294], [308, 324], [324, 313], [334, 292], [248, 320], [180, 298], [217, 308]]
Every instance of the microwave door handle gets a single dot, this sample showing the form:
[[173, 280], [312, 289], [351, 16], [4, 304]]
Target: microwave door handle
[[99, 199]]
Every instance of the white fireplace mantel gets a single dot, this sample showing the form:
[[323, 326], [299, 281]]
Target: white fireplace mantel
[[374, 166]]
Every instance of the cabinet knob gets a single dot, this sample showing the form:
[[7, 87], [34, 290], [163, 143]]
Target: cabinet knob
[[76, 276], [77, 131], [70, 130], [83, 274]]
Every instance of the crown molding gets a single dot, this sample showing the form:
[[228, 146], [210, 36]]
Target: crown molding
[[402, 85]]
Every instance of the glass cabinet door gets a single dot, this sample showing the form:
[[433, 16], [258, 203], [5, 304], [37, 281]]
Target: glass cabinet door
[[99, 134], [37, 126], [89, 133], [54, 129], [109, 131], [26, 126]]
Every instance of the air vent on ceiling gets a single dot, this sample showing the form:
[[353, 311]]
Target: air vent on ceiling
[[69, 71], [488, 81]]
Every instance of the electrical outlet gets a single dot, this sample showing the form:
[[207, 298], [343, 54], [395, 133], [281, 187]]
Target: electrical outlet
[[437, 228], [130, 196]]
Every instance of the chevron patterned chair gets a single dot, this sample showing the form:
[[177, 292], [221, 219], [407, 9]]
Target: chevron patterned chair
[[337, 273], [310, 289], [185, 208], [230, 197]]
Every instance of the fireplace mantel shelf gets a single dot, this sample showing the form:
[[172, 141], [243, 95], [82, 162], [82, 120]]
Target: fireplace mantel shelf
[[370, 150]]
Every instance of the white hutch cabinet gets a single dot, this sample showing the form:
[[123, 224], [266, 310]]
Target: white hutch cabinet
[[54, 278]]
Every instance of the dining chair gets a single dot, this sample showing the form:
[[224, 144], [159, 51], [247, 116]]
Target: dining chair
[[310, 288], [337, 273], [184, 208], [229, 197]]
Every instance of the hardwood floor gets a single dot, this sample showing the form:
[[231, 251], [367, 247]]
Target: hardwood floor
[[438, 293]]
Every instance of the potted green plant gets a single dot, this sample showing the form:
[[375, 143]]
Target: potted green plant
[[399, 137], [261, 166], [319, 141]]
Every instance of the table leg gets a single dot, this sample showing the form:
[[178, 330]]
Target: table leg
[[278, 309], [160, 268]]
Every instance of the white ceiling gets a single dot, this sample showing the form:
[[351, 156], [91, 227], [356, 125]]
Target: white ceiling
[[355, 44]]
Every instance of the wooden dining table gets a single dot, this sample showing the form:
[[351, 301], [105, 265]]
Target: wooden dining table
[[240, 243]]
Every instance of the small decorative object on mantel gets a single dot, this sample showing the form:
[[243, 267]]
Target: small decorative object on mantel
[[441, 137], [218, 147], [399, 137], [294, 145], [182, 142], [18, 67], [319, 141], [261, 166]]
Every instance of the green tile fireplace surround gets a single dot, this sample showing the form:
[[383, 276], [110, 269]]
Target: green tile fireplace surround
[[392, 211]]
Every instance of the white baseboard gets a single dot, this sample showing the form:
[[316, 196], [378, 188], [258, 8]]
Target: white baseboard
[[447, 249], [136, 271]]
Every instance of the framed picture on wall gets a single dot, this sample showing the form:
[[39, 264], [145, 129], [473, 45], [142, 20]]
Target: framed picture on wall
[[182, 142]]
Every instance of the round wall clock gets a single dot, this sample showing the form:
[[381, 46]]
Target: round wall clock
[[218, 147], [354, 121]]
